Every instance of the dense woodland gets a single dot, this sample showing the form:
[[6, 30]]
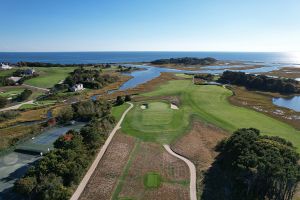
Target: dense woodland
[[58, 171], [122, 68], [206, 77], [260, 82], [93, 79], [251, 166], [186, 61]]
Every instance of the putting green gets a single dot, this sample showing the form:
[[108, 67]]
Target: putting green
[[152, 180], [156, 114], [208, 103], [156, 123]]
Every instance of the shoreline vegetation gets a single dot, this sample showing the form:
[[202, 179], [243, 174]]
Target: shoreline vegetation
[[260, 82]]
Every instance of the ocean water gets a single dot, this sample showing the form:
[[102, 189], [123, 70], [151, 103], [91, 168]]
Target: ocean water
[[121, 57]]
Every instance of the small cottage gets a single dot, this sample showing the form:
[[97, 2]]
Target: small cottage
[[77, 87]]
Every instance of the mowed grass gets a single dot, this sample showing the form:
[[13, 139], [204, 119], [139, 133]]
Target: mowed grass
[[49, 76], [117, 111], [210, 104], [157, 113], [8, 72], [152, 180], [37, 104], [11, 92], [158, 123], [184, 75]]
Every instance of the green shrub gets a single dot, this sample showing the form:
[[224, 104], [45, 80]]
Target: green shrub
[[24, 95], [3, 102], [8, 115]]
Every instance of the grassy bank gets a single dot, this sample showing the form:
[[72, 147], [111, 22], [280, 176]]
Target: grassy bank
[[49, 76], [117, 111], [209, 103]]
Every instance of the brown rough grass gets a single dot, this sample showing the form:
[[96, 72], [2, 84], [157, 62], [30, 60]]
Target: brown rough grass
[[104, 179], [154, 158], [198, 146], [286, 72]]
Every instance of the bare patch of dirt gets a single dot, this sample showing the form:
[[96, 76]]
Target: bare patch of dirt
[[152, 157], [103, 181]]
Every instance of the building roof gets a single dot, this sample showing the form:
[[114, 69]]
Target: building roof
[[15, 78], [4, 66]]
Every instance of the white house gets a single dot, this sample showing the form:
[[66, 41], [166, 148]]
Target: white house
[[4, 66], [77, 87]]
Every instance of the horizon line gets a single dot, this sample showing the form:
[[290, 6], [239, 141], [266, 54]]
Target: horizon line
[[137, 51]]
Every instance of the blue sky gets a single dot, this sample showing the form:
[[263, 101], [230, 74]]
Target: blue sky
[[150, 25]]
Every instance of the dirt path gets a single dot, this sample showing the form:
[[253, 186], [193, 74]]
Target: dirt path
[[16, 106], [89, 173], [193, 191]]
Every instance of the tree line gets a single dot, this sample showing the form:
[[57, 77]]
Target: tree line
[[260, 82], [90, 78], [54, 175], [251, 166], [186, 61]]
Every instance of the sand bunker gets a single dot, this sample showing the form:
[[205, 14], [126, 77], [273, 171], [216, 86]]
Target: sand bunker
[[143, 107], [173, 106]]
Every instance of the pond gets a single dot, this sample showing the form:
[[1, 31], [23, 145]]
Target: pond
[[291, 103]]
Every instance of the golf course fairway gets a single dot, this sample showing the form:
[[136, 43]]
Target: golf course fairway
[[209, 103]]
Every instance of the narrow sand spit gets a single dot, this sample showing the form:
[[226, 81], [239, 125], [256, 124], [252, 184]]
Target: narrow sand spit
[[173, 106]]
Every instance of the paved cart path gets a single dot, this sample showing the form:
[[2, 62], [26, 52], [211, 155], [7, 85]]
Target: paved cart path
[[89, 173], [15, 107], [193, 191]]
